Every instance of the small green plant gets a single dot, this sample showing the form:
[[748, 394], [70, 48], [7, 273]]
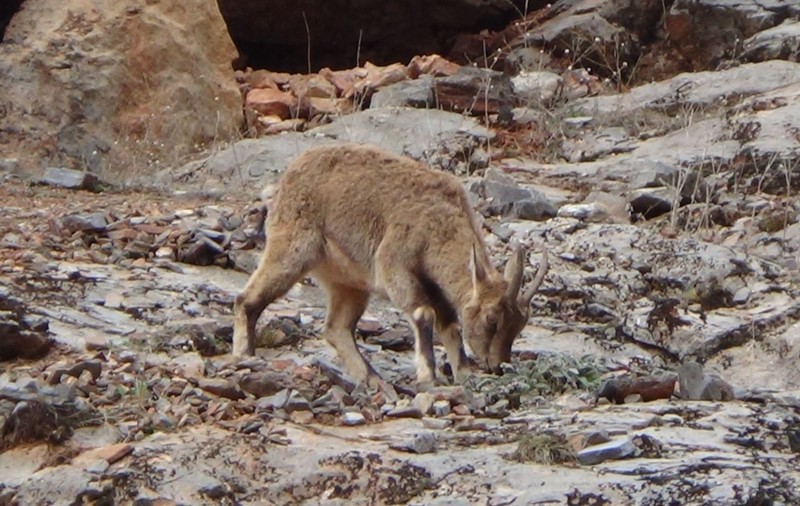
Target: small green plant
[[548, 375], [140, 391]]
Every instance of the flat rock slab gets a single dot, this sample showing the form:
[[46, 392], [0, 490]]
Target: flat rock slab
[[430, 135], [68, 178], [612, 450], [699, 89]]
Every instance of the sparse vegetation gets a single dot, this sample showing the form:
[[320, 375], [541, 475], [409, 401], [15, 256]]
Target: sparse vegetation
[[548, 375], [545, 448]]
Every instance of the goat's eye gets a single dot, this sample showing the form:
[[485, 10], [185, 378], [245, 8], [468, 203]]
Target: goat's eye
[[491, 324]]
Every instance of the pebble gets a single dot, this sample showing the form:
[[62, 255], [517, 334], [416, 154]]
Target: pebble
[[405, 412], [301, 417], [421, 443], [436, 423], [441, 408], [352, 418], [423, 401], [68, 178], [461, 410]]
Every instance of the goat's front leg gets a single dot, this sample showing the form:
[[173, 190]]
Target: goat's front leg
[[404, 289], [450, 336], [422, 321]]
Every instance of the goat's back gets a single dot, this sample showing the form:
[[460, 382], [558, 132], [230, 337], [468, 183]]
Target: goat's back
[[353, 193]]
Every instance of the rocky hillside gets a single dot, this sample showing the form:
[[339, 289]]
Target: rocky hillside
[[652, 148]]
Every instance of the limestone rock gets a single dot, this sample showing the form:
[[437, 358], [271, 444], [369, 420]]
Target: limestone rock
[[68, 178], [85, 84], [352, 418], [397, 129], [696, 89], [704, 30], [424, 442], [613, 450], [536, 87], [780, 42], [412, 93], [697, 385], [507, 198], [475, 91], [92, 222]]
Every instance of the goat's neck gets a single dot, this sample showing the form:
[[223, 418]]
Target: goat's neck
[[454, 277]]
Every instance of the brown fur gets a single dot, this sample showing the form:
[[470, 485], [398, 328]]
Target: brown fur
[[360, 221]]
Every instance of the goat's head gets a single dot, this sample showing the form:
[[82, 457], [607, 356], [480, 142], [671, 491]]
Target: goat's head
[[498, 312]]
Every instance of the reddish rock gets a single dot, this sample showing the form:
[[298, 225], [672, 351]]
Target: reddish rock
[[110, 454], [96, 342], [649, 388], [305, 372], [282, 364], [678, 25], [287, 125], [343, 80], [151, 228], [125, 234], [312, 85], [433, 65], [378, 77], [461, 410], [260, 79], [272, 102], [331, 106]]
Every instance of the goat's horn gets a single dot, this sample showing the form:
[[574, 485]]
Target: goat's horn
[[514, 271], [525, 300]]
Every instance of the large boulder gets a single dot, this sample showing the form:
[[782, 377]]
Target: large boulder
[[115, 85], [708, 31]]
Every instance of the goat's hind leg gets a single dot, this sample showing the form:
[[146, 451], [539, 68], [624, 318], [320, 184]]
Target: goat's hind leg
[[286, 259], [345, 307]]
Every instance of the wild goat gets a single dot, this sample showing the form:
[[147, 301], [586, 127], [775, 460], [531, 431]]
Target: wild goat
[[364, 221]]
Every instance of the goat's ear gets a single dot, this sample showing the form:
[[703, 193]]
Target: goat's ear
[[477, 269], [514, 271], [525, 300]]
